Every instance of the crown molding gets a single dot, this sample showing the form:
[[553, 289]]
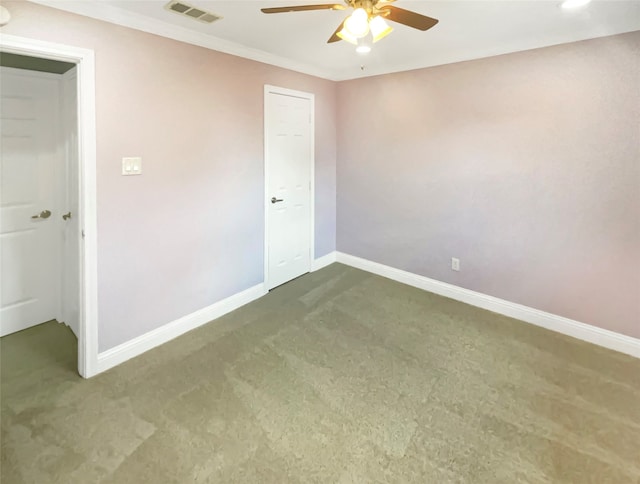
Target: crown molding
[[114, 15]]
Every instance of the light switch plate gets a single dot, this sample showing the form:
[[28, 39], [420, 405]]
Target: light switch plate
[[132, 166]]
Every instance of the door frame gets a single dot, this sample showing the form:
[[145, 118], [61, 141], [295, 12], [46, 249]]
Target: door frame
[[269, 89], [86, 106]]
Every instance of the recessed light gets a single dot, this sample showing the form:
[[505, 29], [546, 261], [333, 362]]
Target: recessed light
[[363, 49], [568, 4]]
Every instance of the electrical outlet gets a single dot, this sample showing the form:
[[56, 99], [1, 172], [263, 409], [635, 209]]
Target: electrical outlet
[[455, 264]]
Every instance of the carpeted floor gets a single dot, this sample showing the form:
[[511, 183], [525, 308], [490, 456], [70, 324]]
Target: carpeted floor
[[338, 377]]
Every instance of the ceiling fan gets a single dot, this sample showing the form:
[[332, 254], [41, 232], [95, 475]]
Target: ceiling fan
[[368, 16]]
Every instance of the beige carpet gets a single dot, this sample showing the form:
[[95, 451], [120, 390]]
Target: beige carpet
[[339, 376]]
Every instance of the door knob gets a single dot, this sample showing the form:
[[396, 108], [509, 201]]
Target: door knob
[[276, 200], [66, 216], [43, 214]]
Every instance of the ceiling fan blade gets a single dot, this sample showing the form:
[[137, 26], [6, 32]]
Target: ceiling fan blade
[[302, 8], [408, 18], [334, 37]]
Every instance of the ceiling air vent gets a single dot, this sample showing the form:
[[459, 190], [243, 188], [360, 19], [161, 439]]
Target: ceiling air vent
[[191, 11]]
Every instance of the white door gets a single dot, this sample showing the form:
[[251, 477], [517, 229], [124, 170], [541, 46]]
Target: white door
[[288, 171], [29, 215], [71, 241]]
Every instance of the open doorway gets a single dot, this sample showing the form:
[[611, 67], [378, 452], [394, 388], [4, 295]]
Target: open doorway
[[49, 200], [39, 196]]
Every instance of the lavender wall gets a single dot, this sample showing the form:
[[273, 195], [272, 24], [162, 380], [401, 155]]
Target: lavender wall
[[189, 231], [524, 166]]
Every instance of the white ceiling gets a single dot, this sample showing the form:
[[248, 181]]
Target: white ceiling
[[469, 29]]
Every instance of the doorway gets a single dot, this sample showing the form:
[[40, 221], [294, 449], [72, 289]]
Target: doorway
[[39, 165], [76, 248], [289, 185]]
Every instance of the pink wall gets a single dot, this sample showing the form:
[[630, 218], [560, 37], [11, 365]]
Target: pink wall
[[524, 166], [189, 231]]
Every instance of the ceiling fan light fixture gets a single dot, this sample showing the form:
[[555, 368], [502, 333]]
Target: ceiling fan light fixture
[[347, 36], [358, 23], [379, 28], [364, 46]]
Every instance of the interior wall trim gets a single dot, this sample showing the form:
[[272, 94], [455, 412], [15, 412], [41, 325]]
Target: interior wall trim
[[324, 261], [112, 14], [87, 195], [137, 346], [585, 332]]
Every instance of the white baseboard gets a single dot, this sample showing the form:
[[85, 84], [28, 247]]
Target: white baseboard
[[141, 344], [602, 337], [576, 329], [323, 261], [135, 347]]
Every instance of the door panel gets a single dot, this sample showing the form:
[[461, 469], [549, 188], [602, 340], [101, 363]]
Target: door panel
[[71, 245], [29, 172], [288, 151]]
